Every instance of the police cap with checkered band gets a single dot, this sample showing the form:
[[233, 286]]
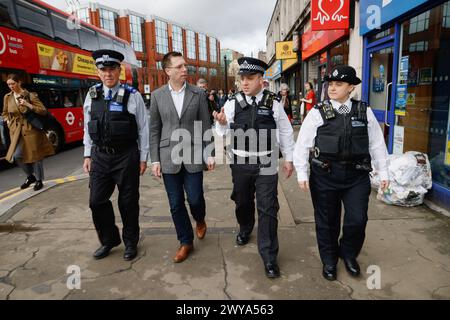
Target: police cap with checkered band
[[249, 66], [107, 58], [343, 73]]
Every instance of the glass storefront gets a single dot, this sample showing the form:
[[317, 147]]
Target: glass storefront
[[423, 90]]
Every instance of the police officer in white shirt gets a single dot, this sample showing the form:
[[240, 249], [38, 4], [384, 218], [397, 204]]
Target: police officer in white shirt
[[259, 127], [116, 148], [340, 138]]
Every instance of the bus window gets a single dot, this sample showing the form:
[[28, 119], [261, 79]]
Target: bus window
[[71, 98], [51, 98], [7, 16], [34, 18], [105, 43], [63, 32], [88, 39]]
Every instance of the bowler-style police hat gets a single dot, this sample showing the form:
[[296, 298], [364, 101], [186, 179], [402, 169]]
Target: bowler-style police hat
[[249, 65], [107, 58], [344, 74]]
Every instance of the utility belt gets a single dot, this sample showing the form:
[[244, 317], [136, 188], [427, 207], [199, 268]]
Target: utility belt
[[114, 150], [260, 162], [363, 165]]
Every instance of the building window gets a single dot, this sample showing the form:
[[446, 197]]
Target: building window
[[419, 23], [83, 15], [192, 70], [162, 40], [190, 44], [108, 21], [446, 15], [137, 41], [159, 65], [202, 47], [139, 63], [213, 50], [177, 39], [213, 72], [203, 71], [418, 46]]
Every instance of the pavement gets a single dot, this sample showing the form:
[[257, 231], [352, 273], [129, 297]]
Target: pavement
[[47, 240]]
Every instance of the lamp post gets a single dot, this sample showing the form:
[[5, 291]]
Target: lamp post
[[226, 74]]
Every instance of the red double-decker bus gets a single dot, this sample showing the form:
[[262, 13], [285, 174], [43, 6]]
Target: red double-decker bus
[[52, 53]]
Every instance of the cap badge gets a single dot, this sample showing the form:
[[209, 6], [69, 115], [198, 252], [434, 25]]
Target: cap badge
[[105, 58], [245, 65], [335, 73]]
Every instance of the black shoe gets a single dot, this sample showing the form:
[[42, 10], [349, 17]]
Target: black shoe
[[102, 252], [28, 182], [352, 267], [242, 238], [38, 185], [272, 270], [329, 272], [130, 253]]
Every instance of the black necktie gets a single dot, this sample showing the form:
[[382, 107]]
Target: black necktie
[[254, 104]]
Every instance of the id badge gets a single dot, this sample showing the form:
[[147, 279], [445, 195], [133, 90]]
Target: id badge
[[358, 124], [115, 107]]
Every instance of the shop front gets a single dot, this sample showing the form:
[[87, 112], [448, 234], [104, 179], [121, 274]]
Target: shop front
[[321, 51], [406, 80]]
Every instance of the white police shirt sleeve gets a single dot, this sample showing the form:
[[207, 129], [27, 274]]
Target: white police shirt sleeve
[[136, 106], [87, 141], [229, 113], [285, 133], [305, 142], [377, 146]]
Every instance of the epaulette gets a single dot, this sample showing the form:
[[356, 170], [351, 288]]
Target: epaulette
[[272, 95], [129, 88], [319, 105], [94, 90], [232, 96]]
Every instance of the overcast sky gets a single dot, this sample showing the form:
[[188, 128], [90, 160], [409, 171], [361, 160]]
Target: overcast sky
[[239, 25]]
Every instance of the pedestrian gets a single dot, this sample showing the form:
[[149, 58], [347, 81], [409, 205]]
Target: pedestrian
[[28, 145], [116, 147], [176, 108], [210, 98], [310, 97], [222, 99], [258, 114], [341, 137], [322, 92], [285, 100]]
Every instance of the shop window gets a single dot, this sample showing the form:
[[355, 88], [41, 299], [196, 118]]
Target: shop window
[[423, 91], [382, 34]]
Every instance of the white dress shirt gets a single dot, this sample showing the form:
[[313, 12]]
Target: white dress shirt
[[308, 132], [178, 98], [135, 106], [284, 132]]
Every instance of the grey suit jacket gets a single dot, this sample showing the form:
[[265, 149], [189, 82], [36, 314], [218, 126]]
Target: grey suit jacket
[[166, 127]]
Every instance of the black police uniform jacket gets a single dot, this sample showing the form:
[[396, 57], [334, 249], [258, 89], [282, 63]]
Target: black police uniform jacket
[[111, 124]]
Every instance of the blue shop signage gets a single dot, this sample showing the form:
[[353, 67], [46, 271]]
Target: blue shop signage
[[375, 13]]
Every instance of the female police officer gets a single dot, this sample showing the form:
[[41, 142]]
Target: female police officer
[[340, 137]]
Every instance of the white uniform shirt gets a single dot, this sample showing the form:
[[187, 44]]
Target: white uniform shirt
[[284, 132], [135, 106], [308, 133]]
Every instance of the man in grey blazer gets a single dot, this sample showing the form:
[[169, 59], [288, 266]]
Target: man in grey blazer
[[179, 123]]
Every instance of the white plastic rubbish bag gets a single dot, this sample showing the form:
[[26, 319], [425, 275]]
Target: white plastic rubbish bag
[[410, 179]]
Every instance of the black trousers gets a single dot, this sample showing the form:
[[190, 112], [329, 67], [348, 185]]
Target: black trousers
[[107, 171], [248, 180], [329, 190]]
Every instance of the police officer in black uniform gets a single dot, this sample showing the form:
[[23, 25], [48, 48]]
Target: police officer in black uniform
[[116, 141], [259, 128], [340, 138]]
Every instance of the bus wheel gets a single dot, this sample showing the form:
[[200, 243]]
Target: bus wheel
[[55, 137]]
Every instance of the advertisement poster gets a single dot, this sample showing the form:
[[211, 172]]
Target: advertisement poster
[[425, 76], [447, 145], [399, 139], [62, 60], [400, 103], [404, 70]]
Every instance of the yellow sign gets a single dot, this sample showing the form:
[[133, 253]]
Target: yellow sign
[[285, 50], [286, 64], [66, 61]]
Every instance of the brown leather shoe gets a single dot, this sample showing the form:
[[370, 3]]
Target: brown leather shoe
[[183, 252], [201, 230]]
